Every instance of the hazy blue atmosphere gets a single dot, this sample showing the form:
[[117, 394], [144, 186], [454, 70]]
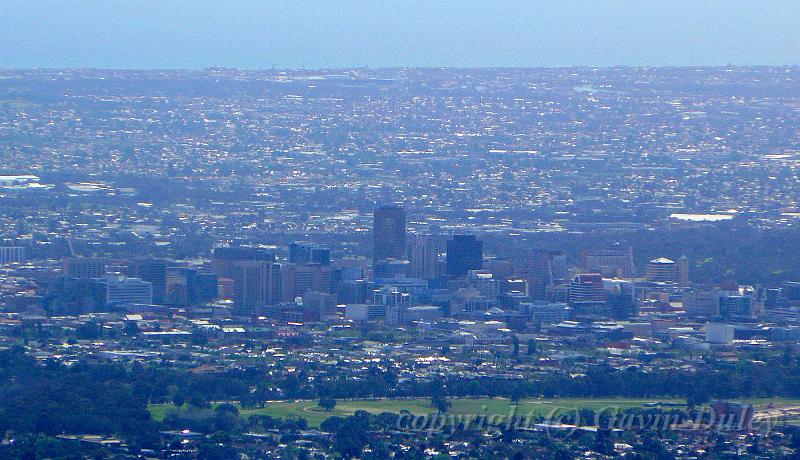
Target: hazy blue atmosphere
[[318, 34]]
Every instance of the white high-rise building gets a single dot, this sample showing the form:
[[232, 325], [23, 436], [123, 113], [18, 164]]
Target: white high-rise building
[[11, 254], [121, 290]]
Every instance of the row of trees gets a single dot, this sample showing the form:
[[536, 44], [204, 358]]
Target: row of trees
[[113, 399]]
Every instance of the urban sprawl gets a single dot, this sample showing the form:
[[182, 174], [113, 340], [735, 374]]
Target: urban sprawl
[[400, 263]]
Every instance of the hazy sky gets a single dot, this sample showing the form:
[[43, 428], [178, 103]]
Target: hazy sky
[[316, 34]]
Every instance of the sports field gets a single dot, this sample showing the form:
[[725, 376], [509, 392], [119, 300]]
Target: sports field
[[421, 406]]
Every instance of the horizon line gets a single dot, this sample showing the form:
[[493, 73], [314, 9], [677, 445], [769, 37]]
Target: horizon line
[[409, 67]]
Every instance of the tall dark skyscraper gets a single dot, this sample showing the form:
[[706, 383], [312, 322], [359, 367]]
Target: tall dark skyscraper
[[389, 233], [153, 271], [464, 253]]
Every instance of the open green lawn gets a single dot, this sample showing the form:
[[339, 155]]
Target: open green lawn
[[421, 406]]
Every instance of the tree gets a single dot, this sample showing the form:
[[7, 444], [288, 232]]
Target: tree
[[516, 392], [179, 398], [515, 345], [215, 451], [602, 442], [89, 331], [563, 454], [350, 434], [327, 403], [226, 417], [197, 400], [698, 395], [531, 347], [440, 403], [250, 400], [131, 328]]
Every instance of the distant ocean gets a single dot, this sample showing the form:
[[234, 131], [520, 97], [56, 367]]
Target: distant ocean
[[140, 34]]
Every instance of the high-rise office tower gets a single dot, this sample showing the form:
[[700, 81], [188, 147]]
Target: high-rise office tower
[[72, 295], [464, 253], [320, 255], [153, 271], [587, 287], [392, 268], [190, 286], [223, 260], [612, 262], [544, 269], [388, 233], [299, 253], [395, 301], [251, 272], [300, 279], [11, 254], [84, 267], [661, 270], [120, 290], [251, 283], [683, 270], [304, 253], [484, 282], [422, 255], [321, 302]]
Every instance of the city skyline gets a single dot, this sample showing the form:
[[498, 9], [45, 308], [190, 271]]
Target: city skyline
[[210, 251]]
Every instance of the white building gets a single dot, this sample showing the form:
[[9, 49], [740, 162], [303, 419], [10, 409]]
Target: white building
[[120, 290], [547, 312], [719, 333], [365, 312], [424, 313], [395, 301]]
